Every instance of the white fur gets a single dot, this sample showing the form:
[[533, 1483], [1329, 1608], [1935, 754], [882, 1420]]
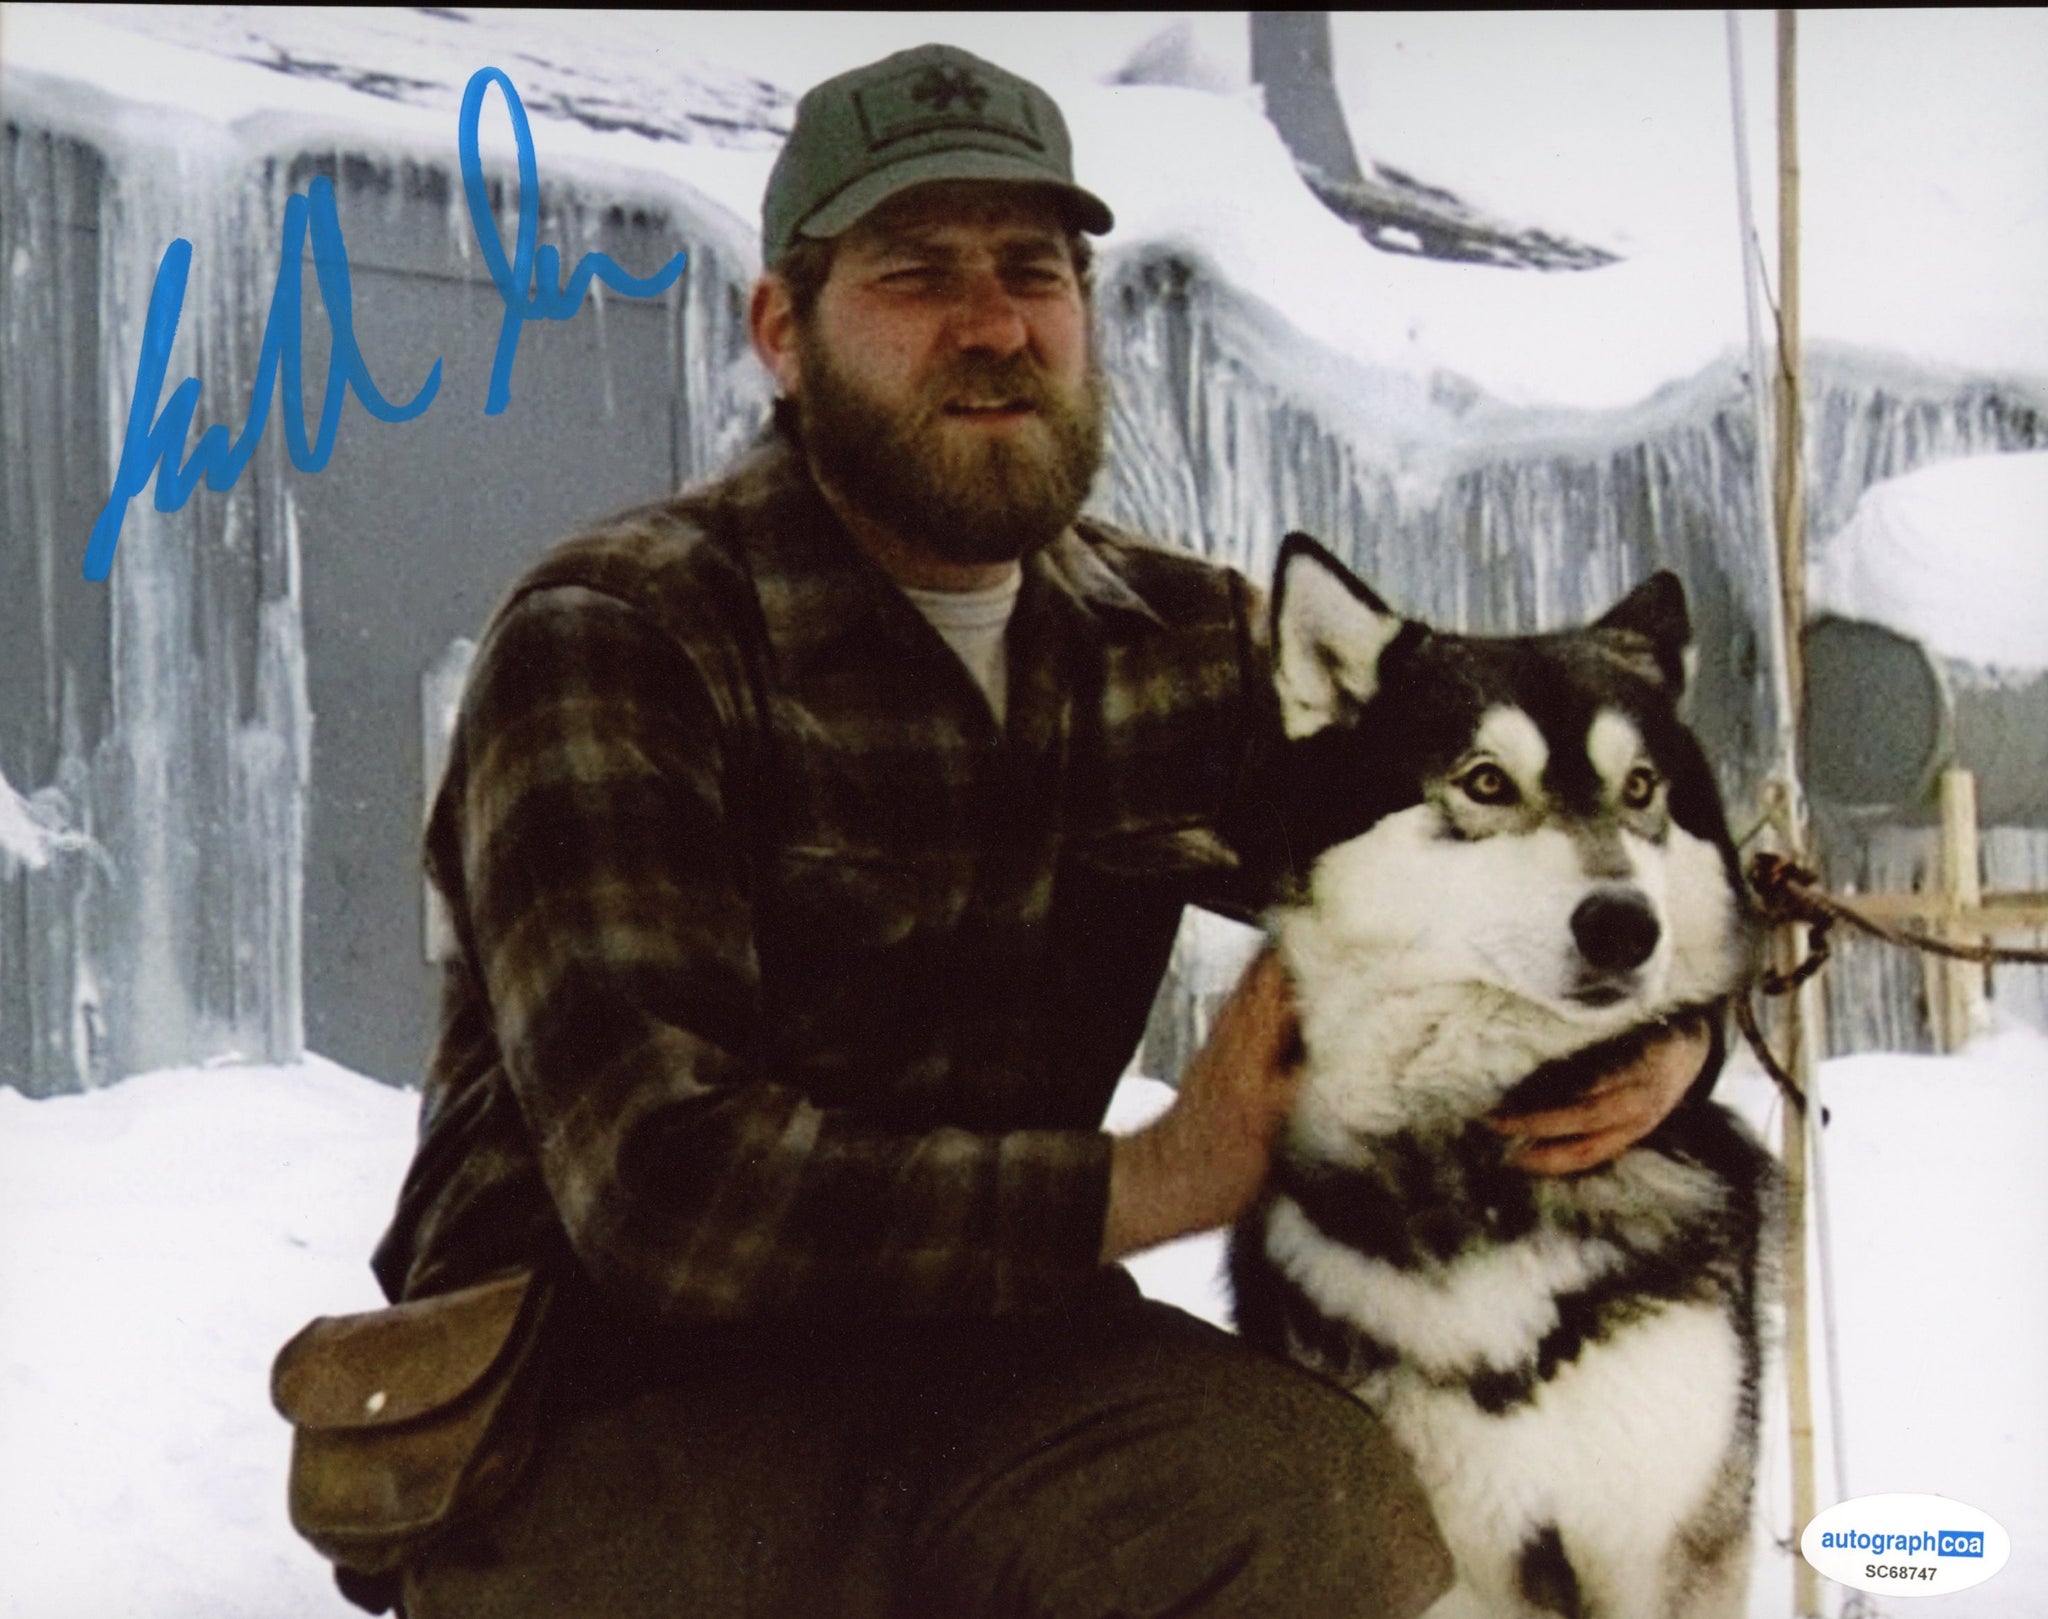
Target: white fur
[[1329, 646], [1510, 737], [1698, 911], [1493, 1306], [1614, 745], [1494, 910], [1642, 1196], [1411, 1057], [1619, 1449]]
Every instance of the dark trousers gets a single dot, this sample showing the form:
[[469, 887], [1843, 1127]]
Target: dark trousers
[[1125, 1460]]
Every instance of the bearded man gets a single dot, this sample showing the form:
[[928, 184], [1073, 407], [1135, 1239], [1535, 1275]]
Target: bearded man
[[815, 842]]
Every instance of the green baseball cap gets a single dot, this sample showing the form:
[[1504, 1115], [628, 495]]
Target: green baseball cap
[[933, 113]]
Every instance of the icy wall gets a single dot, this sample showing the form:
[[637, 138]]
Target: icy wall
[[160, 716], [1228, 432], [1456, 510], [222, 741], [229, 729], [55, 700]]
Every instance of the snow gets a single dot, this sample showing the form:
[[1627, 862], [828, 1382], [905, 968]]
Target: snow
[[163, 1237], [1924, 184], [166, 1234], [1954, 555], [24, 840], [32, 830], [1925, 190], [1932, 1167]]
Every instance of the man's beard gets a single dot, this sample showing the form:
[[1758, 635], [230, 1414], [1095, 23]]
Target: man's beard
[[989, 499]]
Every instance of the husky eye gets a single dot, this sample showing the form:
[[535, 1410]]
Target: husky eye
[[1639, 788], [1488, 784]]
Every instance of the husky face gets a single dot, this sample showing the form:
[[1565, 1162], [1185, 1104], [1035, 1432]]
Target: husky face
[[1526, 816]]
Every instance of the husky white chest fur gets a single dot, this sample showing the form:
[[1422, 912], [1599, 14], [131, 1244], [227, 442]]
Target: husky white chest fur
[[1514, 867]]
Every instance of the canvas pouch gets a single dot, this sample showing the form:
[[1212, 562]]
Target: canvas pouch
[[408, 1420]]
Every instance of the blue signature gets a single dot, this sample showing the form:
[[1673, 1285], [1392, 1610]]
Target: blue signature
[[530, 285]]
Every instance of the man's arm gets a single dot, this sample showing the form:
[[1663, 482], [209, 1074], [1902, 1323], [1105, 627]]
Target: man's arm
[[1202, 1161], [606, 894]]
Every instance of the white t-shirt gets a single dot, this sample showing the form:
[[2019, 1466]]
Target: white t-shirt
[[972, 623]]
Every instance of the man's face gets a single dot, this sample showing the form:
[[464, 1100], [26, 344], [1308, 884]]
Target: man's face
[[947, 385]]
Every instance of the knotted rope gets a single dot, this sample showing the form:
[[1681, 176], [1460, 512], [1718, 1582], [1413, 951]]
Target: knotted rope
[[1788, 892]]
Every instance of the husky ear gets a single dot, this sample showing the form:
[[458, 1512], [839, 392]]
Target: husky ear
[[1329, 630], [1655, 610]]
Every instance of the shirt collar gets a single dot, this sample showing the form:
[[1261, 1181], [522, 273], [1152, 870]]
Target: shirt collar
[[1074, 568], [823, 599]]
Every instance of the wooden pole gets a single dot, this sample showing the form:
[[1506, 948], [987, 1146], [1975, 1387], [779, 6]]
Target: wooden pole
[[1791, 480], [1796, 1027], [1799, 1029], [1761, 375], [1961, 983]]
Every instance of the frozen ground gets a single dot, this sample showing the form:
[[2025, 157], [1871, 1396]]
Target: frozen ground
[[166, 1234]]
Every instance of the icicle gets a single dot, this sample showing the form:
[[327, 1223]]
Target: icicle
[[194, 949], [604, 351]]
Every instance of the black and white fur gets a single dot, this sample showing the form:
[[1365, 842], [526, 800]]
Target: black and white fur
[[1513, 867]]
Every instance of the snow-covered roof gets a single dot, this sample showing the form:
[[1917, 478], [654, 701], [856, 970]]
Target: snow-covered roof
[[1954, 555], [1925, 181]]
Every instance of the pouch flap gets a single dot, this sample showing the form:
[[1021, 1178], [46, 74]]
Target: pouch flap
[[384, 1367]]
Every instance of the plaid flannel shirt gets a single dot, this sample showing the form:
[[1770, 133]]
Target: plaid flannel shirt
[[787, 983]]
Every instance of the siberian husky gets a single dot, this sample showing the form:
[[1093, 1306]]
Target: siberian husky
[[1513, 866]]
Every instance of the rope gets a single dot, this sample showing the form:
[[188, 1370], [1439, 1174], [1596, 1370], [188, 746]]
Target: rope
[[1745, 1020], [1792, 893]]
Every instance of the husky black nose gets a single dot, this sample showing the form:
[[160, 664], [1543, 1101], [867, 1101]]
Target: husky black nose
[[1616, 929]]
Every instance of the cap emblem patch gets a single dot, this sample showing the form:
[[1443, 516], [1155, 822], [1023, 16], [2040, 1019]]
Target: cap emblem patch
[[940, 89], [933, 97]]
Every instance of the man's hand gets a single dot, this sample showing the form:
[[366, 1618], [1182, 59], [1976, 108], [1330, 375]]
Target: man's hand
[[1616, 1113], [1202, 1161]]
